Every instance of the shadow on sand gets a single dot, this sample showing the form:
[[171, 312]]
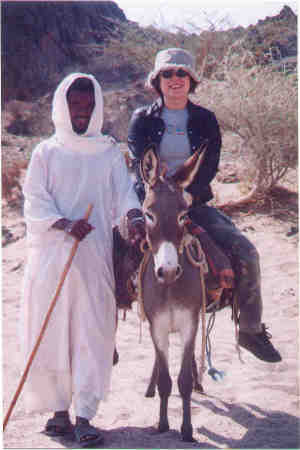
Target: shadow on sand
[[274, 429]]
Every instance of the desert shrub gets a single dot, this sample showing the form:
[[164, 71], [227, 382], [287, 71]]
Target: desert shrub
[[139, 46], [15, 156], [260, 106], [11, 188], [16, 117], [28, 118]]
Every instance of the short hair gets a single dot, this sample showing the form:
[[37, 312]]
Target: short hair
[[156, 85], [82, 85]]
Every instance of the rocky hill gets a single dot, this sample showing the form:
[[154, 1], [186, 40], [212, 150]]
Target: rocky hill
[[278, 33], [44, 41], [271, 39]]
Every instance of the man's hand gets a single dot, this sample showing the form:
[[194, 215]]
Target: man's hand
[[79, 229]]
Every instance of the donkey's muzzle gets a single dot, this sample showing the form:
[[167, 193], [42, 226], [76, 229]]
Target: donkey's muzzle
[[166, 265], [168, 275]]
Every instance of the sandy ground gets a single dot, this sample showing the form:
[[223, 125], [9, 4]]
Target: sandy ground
[[257, 404]]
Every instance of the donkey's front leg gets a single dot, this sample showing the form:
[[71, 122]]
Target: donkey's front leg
[[185, 385], [164, 384], [160, 338]]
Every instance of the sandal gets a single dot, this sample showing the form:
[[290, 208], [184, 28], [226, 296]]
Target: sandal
[[58, 426], [87, 436]]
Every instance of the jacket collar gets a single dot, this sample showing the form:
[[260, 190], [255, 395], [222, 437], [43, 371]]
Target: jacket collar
[[155, 108]]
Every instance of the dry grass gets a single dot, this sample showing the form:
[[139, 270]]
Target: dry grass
[[260, 107], [15, 155], [11, 175]]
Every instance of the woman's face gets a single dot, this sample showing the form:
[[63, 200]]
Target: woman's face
[[174, 84]]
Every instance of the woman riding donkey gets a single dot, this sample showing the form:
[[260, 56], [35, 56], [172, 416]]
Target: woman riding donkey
[[177, 127]]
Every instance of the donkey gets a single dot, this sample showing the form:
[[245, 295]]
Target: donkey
[[171, 287]]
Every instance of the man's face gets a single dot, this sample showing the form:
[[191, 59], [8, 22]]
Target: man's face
[[81, 105]]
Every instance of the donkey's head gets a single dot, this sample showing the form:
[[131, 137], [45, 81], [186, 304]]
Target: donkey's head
[[165, 209]]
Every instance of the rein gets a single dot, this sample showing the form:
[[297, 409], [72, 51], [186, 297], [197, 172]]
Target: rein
[[147, 253]]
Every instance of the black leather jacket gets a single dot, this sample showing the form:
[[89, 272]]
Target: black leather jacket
[[146, 127]]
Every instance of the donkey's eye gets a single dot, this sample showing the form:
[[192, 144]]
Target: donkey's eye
[[150, 218], [182, 218]]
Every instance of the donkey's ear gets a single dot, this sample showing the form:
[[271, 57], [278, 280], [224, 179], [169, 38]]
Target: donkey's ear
[[186, 173], [150, 166]]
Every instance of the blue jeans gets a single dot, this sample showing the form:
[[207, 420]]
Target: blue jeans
[[245, 261]]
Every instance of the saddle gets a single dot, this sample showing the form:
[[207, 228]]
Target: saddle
[[219, 279]]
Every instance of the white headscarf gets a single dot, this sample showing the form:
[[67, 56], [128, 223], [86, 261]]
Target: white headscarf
[[90, 141]]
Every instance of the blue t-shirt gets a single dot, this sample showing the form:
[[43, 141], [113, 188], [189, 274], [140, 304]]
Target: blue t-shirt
[[175, 145]]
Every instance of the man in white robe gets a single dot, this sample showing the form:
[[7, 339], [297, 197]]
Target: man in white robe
[[75, 167]]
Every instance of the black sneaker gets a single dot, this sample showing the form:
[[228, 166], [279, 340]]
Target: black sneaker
[[260, 345]]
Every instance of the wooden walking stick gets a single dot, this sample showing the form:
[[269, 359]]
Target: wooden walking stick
[[45, 323]]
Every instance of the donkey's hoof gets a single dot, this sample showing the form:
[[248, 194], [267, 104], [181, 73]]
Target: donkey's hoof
[[150, 393], [198, 388], [187, 434], [163, 428], [188, 438]]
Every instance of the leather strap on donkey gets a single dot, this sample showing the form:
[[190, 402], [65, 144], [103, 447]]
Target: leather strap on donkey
[[191, 245], [127, 259]]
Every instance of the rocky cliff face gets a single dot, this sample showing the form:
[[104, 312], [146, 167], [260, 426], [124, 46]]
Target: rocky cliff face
[[278, 31], [44, 41]]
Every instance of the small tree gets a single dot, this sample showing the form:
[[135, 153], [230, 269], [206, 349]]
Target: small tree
[[259, 105]]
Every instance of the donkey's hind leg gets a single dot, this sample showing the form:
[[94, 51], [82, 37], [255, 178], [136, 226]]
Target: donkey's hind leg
[[153, 381], [197, 386]]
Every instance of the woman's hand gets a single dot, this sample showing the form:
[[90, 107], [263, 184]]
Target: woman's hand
[[136, 226]]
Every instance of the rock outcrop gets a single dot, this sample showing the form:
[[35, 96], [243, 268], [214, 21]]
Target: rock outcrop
[[44, 41], [279, 32]]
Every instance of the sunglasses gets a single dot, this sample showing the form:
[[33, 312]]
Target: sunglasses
[[169, 73]]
